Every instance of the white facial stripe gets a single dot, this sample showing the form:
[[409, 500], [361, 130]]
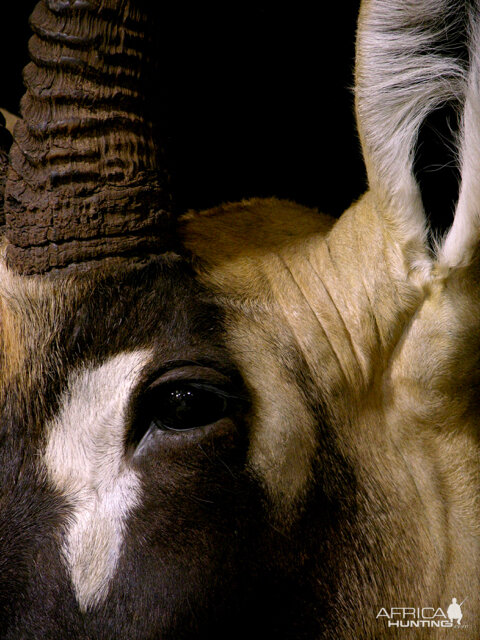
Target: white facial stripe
[[85, 462]]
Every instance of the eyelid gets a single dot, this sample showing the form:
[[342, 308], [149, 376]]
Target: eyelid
[[191, 374]]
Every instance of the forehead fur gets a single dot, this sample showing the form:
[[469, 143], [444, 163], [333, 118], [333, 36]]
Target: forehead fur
[[231, 240], [101, 313]]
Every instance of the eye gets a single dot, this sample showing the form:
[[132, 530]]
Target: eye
[[180, 400], [182, 407]]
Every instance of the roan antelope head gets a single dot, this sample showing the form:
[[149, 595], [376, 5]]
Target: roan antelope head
[[250, 422]]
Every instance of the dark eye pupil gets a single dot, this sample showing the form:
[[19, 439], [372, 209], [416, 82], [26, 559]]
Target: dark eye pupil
[[184, 408]]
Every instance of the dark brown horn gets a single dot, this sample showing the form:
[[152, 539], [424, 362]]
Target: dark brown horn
[[5, 143], [85, 180]]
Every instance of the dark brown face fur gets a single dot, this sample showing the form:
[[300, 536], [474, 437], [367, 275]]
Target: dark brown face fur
[[201, 555]]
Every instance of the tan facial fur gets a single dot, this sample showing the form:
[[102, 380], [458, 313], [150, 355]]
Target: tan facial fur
[[392, 348]]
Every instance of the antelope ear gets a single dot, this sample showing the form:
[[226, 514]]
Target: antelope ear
[[411, 61], [463, 239]]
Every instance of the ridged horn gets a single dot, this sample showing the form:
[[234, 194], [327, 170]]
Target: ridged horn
[[5, 143], [86, 180]]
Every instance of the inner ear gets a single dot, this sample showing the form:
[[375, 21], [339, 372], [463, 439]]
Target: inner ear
[[436, 166]]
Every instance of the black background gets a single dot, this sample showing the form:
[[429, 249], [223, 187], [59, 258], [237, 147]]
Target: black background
[[260, 101]]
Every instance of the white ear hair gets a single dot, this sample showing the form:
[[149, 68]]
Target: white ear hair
[[402, 74], [464, 236]]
